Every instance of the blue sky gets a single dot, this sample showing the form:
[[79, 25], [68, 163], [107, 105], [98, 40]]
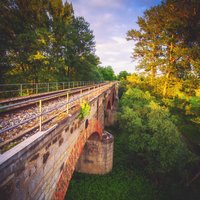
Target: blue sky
[[110, 20]]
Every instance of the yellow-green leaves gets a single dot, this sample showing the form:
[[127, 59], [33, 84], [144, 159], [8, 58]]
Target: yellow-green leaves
[[85, 110], [37, 56]]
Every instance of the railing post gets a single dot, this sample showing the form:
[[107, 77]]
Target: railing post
[[99, 89], [36, 88], [88, 94], [47, 87], [40, 113], [21, 89], [63, 85], [73, 84], [81, 92], [67, 103], [56, 86]]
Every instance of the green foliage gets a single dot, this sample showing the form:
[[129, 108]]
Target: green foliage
[[123, 183], [127, 181], [85, 110], [195, 105], [9, 146], [152, 132], [182, 94], [150, 159], [122, 75], [167, 41], [118, 185], [107, 73], [44, 42]]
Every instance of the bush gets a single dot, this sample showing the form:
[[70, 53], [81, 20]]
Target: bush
[[153, 134], [85, 110]]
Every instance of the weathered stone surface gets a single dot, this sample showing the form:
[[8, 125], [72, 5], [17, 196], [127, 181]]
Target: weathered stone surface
[[41, 166], [97, 156], [7, 189]]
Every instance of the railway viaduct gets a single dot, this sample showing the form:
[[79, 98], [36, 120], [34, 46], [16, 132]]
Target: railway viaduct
[[41, 166]]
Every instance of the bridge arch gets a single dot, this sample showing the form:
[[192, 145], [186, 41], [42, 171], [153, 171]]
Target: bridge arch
[[113, 97], [109, 105], [110, 116], [110, 100], [95, 136], [93, 131], [97, 155]]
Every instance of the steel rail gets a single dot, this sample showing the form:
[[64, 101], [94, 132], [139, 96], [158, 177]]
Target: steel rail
[[45, 98]]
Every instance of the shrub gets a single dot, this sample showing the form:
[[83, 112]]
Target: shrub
[[153, 134], [85, 110]]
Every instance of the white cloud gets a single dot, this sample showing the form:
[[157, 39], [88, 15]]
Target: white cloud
[[104, 4], [116, 53], [101, 20], [111, 53], [110, 20], [119, 40]]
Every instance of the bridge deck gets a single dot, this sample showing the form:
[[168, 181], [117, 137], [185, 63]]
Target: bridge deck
[[21, 118]]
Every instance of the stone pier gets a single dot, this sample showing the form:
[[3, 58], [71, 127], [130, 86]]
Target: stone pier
[[97, 155]]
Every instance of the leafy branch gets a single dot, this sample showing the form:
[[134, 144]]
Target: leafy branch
[[85, 110]]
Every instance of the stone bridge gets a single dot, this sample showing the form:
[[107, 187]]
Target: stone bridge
[[41, 166]]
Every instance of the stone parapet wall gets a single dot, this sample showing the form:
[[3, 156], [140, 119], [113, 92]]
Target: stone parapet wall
[[41, 166]]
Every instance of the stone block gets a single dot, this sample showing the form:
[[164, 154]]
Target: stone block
[[35, 183]]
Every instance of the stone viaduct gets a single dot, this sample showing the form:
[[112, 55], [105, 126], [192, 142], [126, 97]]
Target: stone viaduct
[[41, 166]]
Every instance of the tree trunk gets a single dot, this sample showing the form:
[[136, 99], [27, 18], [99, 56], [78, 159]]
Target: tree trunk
[[153, 73], [68, 74], [193, 179], [170, 69], [153, 67], [166, 84]]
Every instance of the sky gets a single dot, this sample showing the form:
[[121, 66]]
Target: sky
[[110, 21]]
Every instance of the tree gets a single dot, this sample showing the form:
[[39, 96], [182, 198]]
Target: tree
[[43, 41], [21, 26], [81, 48], [153, 134], [107, 73], [167, 42], [123, 75]]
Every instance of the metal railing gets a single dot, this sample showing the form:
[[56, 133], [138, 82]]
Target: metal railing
[[90, 93], [25, 89], [46, 97]]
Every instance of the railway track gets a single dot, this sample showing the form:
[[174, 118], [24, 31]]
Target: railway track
[[22, 117], [13, 103]]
